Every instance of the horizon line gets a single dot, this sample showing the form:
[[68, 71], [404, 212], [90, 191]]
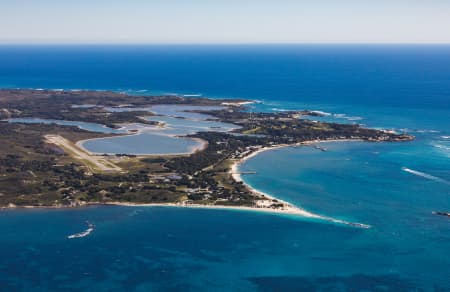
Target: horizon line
[[222, 44]]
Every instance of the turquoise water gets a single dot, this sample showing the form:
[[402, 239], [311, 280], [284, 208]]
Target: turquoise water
[[162, 248], [392, 186], [365, 182]]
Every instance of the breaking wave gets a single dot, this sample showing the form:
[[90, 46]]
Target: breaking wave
[[425, 131], [279, 109], [349, 118]]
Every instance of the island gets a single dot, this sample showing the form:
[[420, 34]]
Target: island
[[60, 148]]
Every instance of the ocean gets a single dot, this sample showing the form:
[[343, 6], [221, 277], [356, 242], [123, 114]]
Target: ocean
[[394, 187]]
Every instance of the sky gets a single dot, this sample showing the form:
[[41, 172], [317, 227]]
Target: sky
[[224, 21]]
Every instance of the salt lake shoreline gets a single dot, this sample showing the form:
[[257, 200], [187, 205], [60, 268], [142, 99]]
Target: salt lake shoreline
[[202, 144]]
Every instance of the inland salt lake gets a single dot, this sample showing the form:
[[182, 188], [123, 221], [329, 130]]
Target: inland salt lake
[[147, 139], [394, 187]]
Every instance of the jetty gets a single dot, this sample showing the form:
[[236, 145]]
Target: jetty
[[320, 148], [245, 172]]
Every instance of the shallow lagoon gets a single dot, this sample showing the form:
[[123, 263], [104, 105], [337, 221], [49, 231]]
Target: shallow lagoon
[[149, 140], [93, 127], [144, 143], [177, 126], [159, 140], [178, 111]]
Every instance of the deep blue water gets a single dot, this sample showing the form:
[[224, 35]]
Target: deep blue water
[[392, 186]]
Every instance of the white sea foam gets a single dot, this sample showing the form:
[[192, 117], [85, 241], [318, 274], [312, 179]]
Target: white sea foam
[[443, 149], [275, 109], [445, 137], [354, 118], [84, 233], [349, 118], [192, 95], [426, 131], [406, 130], [322, 113], [425, 175]]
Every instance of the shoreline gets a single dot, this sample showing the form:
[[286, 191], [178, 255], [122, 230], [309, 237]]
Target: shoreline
[[155, 130], [202, 144], [292, 210], [286, 209], [234, 167]]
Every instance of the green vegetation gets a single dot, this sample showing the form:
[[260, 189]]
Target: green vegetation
[[34, 172]]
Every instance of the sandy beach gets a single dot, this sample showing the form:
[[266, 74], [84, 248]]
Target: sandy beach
[[262, 205], [234, 168], [287, 208]]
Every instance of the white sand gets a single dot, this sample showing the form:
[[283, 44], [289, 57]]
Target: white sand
[[287, 208]]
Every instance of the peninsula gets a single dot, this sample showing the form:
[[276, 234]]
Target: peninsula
[[45, 160]]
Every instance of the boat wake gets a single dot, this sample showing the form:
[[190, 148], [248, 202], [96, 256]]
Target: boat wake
[[426, 175], [85, 233]]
